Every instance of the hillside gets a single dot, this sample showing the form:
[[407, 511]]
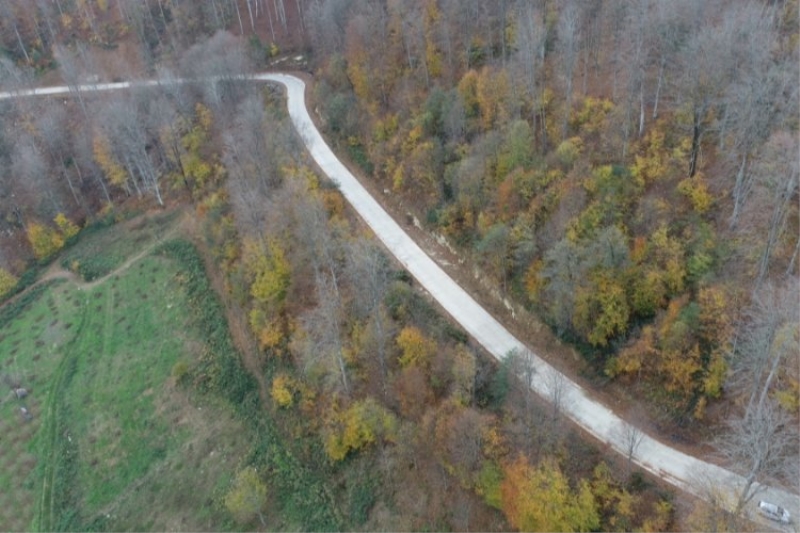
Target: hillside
[[626, 173]]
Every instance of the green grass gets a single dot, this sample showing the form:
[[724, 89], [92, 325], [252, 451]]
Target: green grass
[[114, 443], [100, 251]]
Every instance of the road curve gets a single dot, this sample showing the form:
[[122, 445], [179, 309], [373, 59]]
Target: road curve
[[677, 468]]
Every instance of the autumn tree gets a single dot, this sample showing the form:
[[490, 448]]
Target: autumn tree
[[368, 272], [7, 282], [539, 498], [247, 497], [44, 240], [417, 349], [361, 424], [268, 268]]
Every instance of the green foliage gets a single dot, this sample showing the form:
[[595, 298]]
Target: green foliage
[[489, 482], [358, 426], [247, 496], [7, 282], [362, 496], [220, 370]]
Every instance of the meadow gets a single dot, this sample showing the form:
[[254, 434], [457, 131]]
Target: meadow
[[116, 435]]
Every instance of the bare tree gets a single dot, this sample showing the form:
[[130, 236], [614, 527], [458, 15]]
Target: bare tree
[[125, 127], [215, 64], [327, 21], [763, 441], [528, 63], [322, 350], [569, 38], [557, 393], [53, 133], [630, 437], [367, 269], [772, 198], [77, 68], [522, 364], [29, 171], [8, 16]]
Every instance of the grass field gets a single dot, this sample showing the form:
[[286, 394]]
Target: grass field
[[113, 442]]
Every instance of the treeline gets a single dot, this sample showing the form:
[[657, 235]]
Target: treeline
[[42, 34], [626, 169]]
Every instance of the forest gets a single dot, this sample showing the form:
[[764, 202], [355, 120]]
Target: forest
[[624, 171]]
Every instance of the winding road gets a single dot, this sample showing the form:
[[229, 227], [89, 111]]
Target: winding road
[[679, 469]]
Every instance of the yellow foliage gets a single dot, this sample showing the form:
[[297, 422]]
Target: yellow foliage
[[247, 496], [44, 241], [533, 281], [696, 191], [468, 90], [539, 499], [204, 117], [270, 333], [398, 178], [417, 349], [633, 358], [433, 56], [493, 93], [653, 164], [283, 389], [569, 150], [715, 320], [105, 159], [357, 427], [602, 312], [272, 273], [591, 114], [788, 397], [7, 282], [67, 227]]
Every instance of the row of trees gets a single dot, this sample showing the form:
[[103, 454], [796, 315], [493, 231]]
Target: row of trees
[[30, 31]]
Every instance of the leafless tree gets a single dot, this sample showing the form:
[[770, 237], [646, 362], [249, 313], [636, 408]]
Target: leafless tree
[[327, 21], [763, 441], [368, 272], [216, 63], [630, 436], [322, 350], [557, 393], [52, 130], [8, 16], [125, 126], [77, 69], [772, 201], [767, 342], [527, 64], [569, 39], [29, 171], [257, 145], [522, 365]]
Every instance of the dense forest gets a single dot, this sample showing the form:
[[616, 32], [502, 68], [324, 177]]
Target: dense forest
[[626, 170]]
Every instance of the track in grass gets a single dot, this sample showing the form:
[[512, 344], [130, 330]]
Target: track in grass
[[113, 443]]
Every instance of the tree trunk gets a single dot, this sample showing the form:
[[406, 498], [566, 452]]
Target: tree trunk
[[695, 142], [658, 85]]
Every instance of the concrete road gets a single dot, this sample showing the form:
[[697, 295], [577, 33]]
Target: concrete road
[[679, 469]]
